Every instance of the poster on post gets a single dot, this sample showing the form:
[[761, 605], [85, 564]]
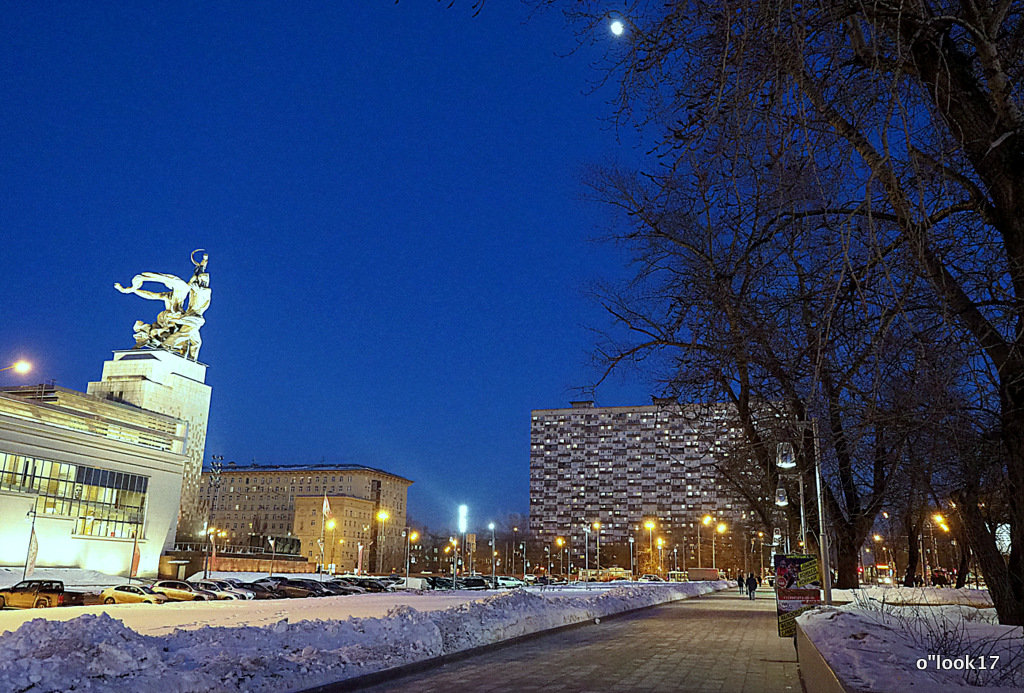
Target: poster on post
[[797, 589]]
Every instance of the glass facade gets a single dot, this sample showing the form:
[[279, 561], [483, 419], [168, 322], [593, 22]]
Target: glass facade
[[103, 502]]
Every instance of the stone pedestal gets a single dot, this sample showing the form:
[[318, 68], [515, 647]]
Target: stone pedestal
[[170, 384]]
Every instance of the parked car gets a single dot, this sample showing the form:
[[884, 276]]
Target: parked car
[[345, 587], [261, 591], [440, 583], [131, 594], [233, 586], [509, 582], [28, 594], [179, 591], [219, 592], [651, 578], [472, 583], [413, 583], [367, 583], [295, 589]]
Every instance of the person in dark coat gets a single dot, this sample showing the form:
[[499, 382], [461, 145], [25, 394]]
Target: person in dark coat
[[751, 585], [740, 583]]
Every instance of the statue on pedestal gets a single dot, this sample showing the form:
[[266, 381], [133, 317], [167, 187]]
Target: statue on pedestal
[[176, 328]]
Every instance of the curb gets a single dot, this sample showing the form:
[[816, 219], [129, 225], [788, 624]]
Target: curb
[[376, 677], [816, 675]]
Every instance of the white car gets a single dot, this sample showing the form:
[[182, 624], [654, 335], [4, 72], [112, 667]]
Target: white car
[[509, 582], [231, 586], [218, 591]]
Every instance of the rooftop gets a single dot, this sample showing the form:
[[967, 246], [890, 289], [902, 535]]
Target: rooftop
[[234, 468]]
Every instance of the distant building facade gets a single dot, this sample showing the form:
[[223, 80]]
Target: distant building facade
[[96, 475], [623, 466], [287, 501]]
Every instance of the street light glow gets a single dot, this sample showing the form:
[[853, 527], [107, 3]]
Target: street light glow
[[721, 528], [463, 519], [383, 515], [649, 525], [20, 367], [706, 520]]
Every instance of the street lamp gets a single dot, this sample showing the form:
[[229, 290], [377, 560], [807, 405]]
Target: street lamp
[[586, 554], [661, 543], [382, 516], [720, 529], [785, 456], [597, 526], [632, 573], [331, 524], [706, 520], [410, 537], [494, 554], [19, 367], [560, 542], [649, 526]]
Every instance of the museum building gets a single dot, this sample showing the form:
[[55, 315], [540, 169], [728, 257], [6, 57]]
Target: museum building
[[93, 477]]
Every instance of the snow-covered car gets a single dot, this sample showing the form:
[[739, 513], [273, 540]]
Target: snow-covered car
[[179, 591], [413, 583], [651, 578], [131, 594]]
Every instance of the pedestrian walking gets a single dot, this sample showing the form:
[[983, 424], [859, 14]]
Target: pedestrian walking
[[740, 583], [751, 585]]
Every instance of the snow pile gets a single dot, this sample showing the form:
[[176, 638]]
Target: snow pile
[[916, 595], [881, 647], [96, 652]]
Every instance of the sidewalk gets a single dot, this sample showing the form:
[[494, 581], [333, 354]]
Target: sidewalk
[[721, 643]]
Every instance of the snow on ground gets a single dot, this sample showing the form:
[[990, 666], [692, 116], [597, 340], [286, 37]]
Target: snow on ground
[[916, 595], [874, 646], [304, 648], [73, 578]]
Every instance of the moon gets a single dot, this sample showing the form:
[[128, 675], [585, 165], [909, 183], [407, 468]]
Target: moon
[[617, 27]]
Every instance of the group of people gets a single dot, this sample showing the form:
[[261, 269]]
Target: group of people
[[748, 585]]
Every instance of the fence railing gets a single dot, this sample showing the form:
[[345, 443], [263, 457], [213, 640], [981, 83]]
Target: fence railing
[[233, 549]]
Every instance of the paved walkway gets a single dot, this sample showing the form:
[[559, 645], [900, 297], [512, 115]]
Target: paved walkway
[[721, 643]]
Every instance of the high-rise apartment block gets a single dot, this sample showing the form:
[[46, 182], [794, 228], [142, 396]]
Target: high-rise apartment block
[[623, 466]]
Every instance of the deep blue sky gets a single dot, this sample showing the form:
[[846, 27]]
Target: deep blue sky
[[390, 196]]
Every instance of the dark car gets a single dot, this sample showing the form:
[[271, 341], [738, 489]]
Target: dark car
[[440, 583], [368, 584], [289, 588], [315, 586], [472, 583], [346, 587], [260, 590]]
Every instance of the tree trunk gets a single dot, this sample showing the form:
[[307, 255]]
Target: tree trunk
[[913, 529], [964, 565], [847, 555]]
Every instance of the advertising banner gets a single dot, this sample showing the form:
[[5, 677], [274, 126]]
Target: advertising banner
[[797, 588]]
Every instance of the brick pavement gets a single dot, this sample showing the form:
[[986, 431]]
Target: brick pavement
[[720, 643]]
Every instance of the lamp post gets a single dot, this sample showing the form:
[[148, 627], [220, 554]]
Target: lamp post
[[560, 542], [597, 526], [331, 524], [410, 537], [823, 547], [586, 554], [632, 573], [706, 520], [661, 544], [547, 554], [382, 516], [649, 526], [522, 548], [494, 555], [675, 558], [515, 543], [720, 529], [273, 553]]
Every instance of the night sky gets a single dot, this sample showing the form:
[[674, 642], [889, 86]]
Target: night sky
[[400, 244]]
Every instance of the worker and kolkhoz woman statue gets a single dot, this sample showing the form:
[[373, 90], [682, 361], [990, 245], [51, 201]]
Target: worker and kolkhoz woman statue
[[176, 328]]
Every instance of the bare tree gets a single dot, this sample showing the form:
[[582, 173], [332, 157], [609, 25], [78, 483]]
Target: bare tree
[[916, 108]]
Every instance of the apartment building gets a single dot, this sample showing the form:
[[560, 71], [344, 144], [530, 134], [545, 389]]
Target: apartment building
[[625, 466], [260, 500]]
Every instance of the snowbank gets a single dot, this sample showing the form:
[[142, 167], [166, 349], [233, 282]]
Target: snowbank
[[876, 647], [916, 595], [99, 653]]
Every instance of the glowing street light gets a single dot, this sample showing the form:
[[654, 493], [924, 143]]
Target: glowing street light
[[597, 526], [617, 27], [19, 367], [649, 526], [720, 529], [382, 517], [706, 520]]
